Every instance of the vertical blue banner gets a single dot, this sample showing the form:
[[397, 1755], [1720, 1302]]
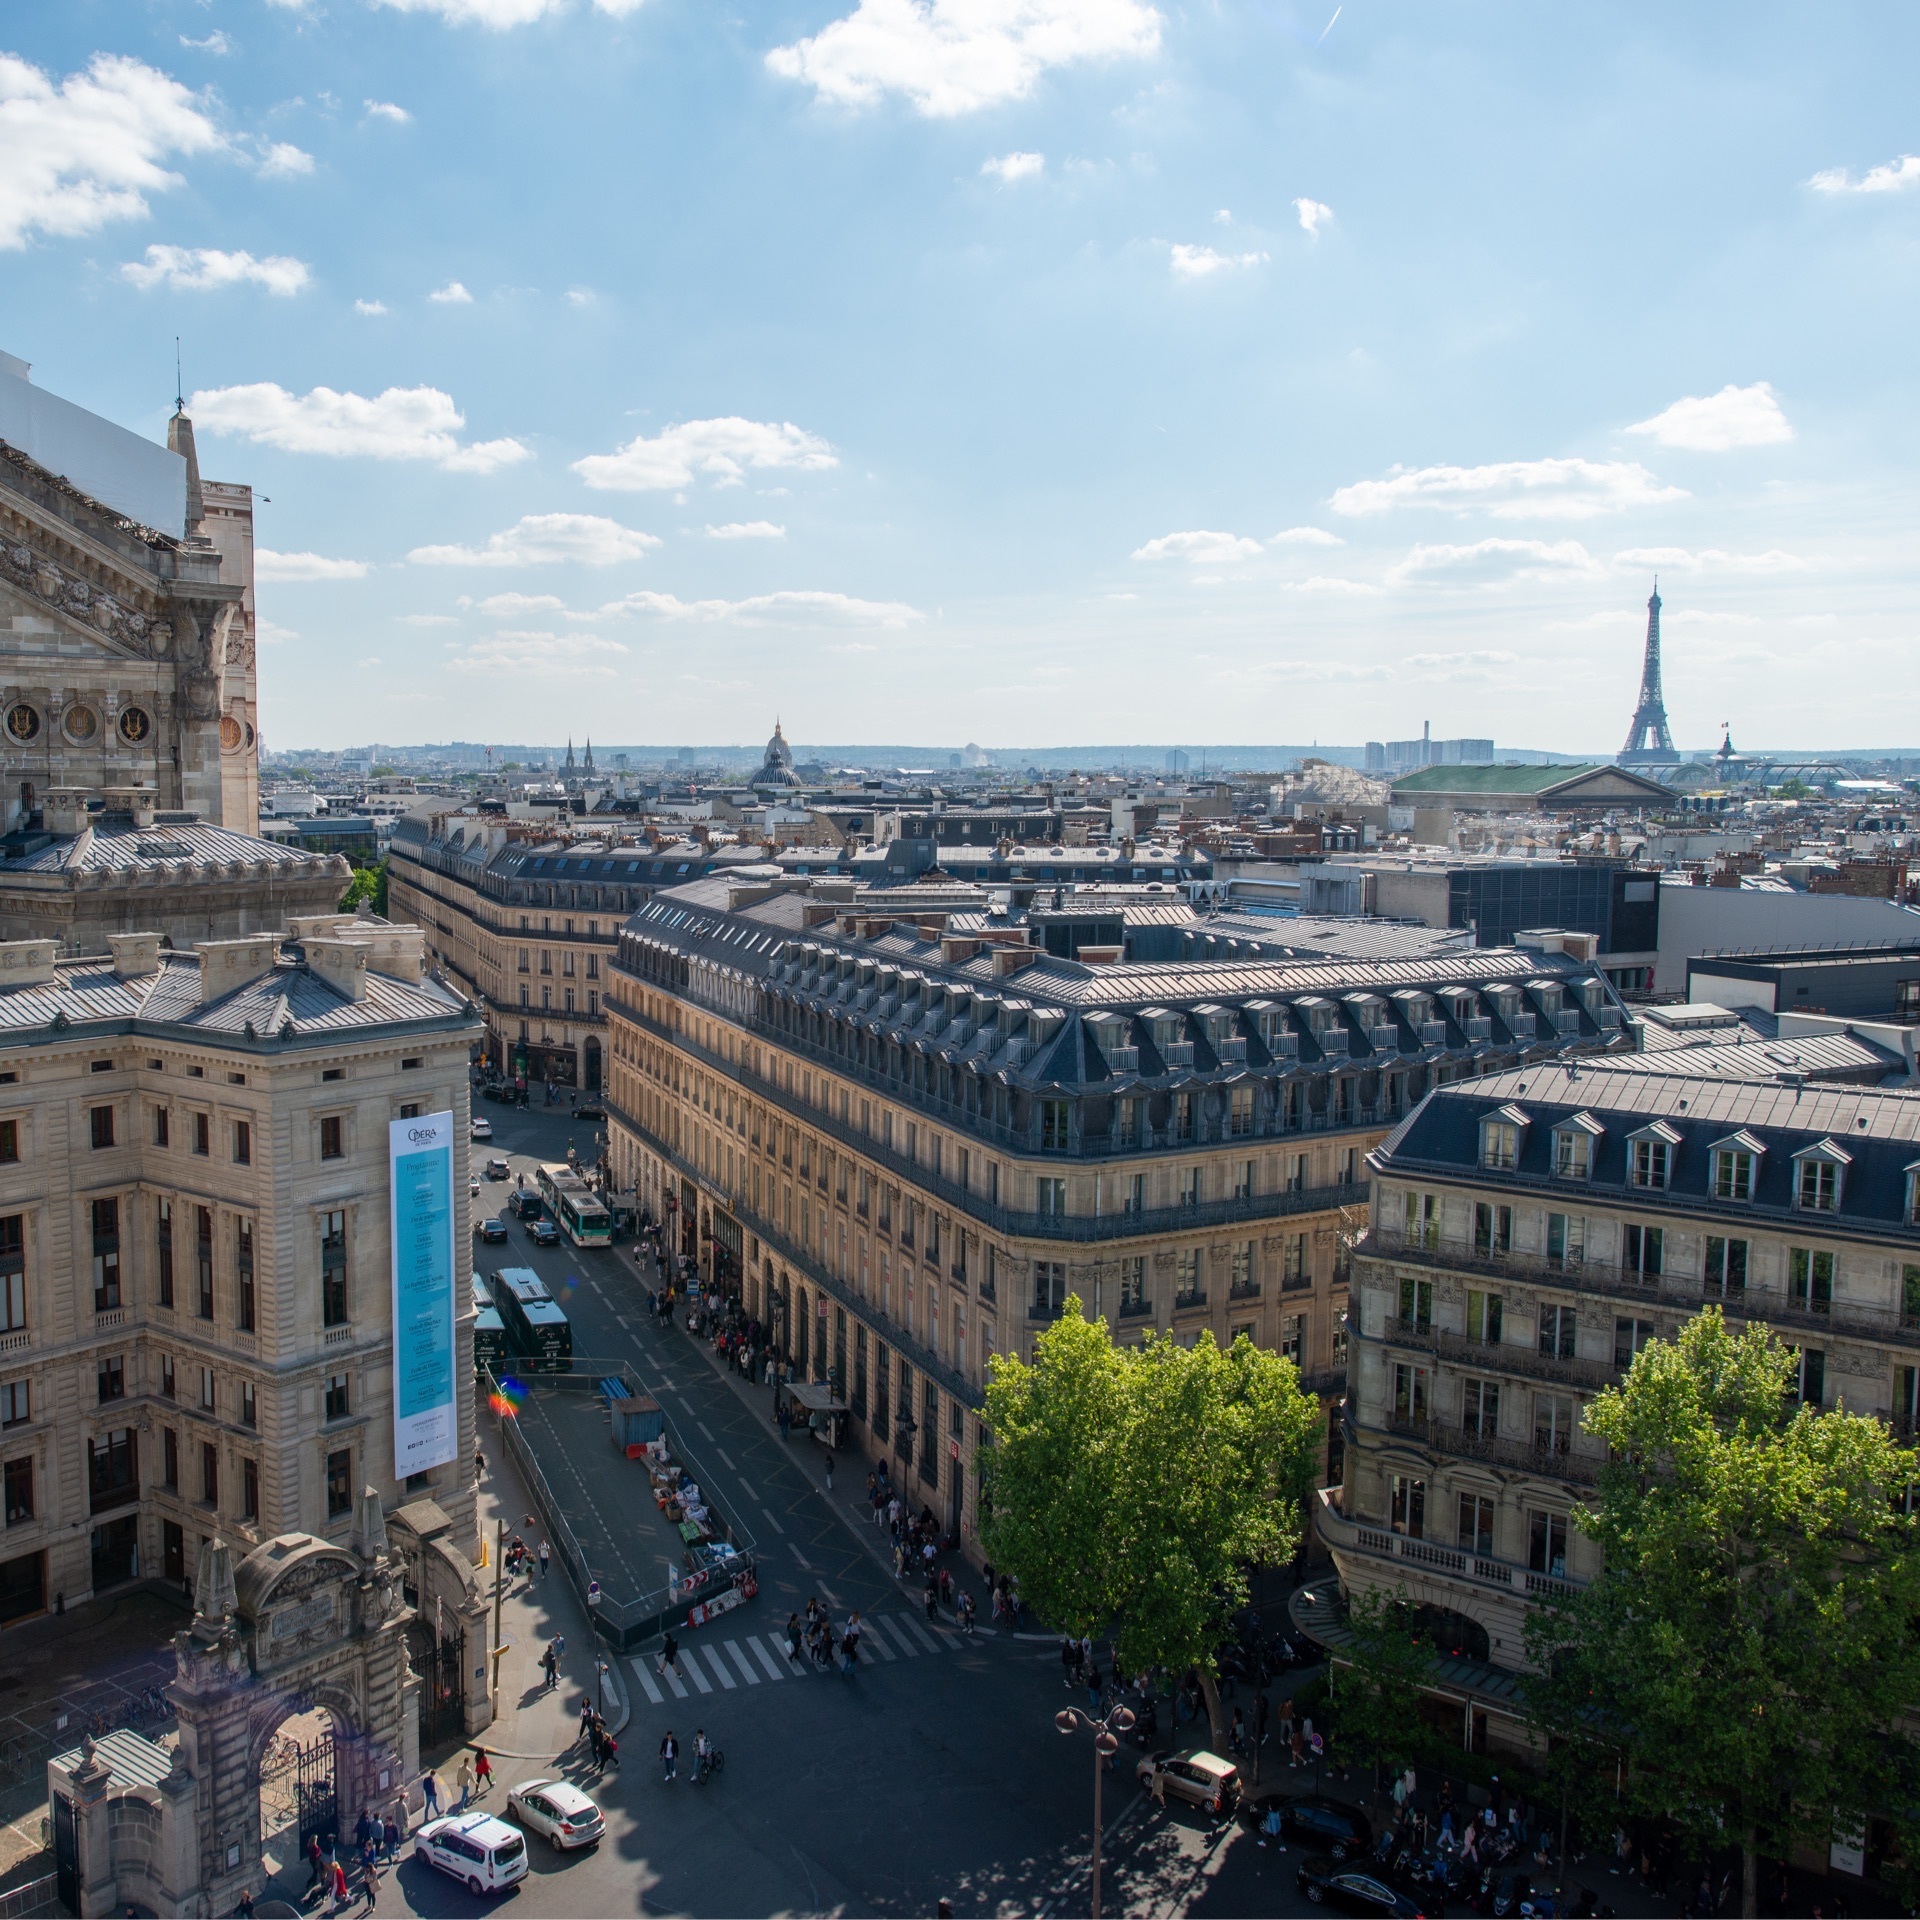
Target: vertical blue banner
[[420, 1174]]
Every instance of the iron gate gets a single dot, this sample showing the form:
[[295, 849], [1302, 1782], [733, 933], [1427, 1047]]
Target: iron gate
[[439, 1664], [316, 1793]]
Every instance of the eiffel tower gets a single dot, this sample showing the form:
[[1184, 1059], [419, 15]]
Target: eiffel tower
[[1649, 744]]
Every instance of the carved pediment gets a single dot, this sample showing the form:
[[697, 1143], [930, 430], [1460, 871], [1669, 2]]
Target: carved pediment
[[32, 585]]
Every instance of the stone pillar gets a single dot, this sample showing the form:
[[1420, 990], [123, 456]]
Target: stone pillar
[[176, 1866], [93, 1852]]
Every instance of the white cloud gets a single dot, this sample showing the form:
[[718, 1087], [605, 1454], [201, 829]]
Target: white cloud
[[401, 423], [282, 161], [270, 634], [271, 566], [951, 57], [1314, 214], [512, 606], [748, 530], [76, 155], [1492, 563], [722, 449], [1306, 537], [1513, 489], [1481, 663], [428, 620], [387, 110], [198, 269], [1009, 167], [216, 42], [475, 13], [1709, 560], [579, 656], [1224, 217], [453, 294], [1892, 178], [372, 307], [1720, 422], [1330, 583], [581, 296], [546, 539], [1196, 263], [619, 9], [1204, 549], [794, 604]]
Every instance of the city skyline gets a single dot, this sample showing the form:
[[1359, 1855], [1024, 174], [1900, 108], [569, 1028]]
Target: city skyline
[[866, 365]]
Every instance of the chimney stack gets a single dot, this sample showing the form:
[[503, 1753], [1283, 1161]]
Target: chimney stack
[[227, 965], [135, 955], [342, 964]]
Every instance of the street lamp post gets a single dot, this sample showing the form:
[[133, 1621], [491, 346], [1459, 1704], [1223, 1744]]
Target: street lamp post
[[1106, 1743]]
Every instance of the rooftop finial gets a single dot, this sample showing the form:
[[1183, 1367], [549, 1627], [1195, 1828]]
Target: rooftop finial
[[179, 380]]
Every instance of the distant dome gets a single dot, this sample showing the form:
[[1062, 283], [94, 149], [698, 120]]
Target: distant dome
[[776, 769]]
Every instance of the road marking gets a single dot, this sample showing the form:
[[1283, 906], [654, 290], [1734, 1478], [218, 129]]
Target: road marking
[[720, 1669], [741, 1661], [773, 1523], [707, 1430], [744, 1488], [920, 1633], [722, 1452], [694, 1674], [892, 1626], [765, 1658], [801, 1560], [654, 1694], [672, 1678], [877, 1643]]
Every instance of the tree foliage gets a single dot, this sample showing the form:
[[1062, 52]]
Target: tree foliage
[[1754, 1632], [1376, 1703], [366, 888], [1133, 1489]]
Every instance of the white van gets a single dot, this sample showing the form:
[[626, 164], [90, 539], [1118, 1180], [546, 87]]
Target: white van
[[485, 1853]]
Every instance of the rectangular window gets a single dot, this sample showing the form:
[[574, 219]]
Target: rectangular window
[[1640, 1251], [1190, 1187], [1407, 1497], [1186, 1278], [1240, 1280], [1050, 1199], [1492, 1229], [249, 1490], [101, 1122], [1726, 1267], [1049, 1289], [1476, 1525], [16, 1403], [210, 1473], [333, 1269], [1732, 1174], [1293, 1338], [1240, 1112], [202, 1136], [163, 1249], [106, 1255], [1573, 1154], [1412, 1394], [113, 1469], [1416, 1304], [1811, 1377], [1480, 1408], [166, 1375], [333, 1137], [339, 1398], [1183, 1116], [9, 1142], [1243, 1180], [111, 1377], [13, 1273], [1566, 1240], [1649, 1163], [1053, 1126], [1816, 1191], [242, 1143], [1483, 1317], [249, 1405], [1553, 1415], [243, 1272], [1810, 1280], [203, 1259], [209, 1396], [1558, 1326], [1629, 1336], [1547, 1544], [1500, 1146], [169, 1458], [339, 1483], [19, 1483], [1423, 1220]]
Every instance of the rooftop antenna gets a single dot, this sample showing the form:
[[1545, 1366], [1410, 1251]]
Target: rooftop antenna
[[179, 382]]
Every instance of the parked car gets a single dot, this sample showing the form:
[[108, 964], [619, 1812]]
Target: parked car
[[544, 1233], [501, 1090], [1342, 1831], [1195, 1775], [589, 1110], [480, 1129], [1326, 1883], [499, 1170], [475, 1848], [492, 1230], [558, 1812]]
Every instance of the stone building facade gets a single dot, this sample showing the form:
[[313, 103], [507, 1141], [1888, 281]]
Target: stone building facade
[[907, 1135]]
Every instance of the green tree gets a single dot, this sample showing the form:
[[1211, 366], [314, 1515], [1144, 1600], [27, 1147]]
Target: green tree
[[1755, 1625], [1136, 1488], [1564, 1691], [366, 888], [1377, 1688]]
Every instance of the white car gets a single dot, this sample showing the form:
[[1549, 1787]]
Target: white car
[[480, 1129], [484, 1853], [558, 1812]]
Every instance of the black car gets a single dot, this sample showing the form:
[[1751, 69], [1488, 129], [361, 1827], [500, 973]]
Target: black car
[[544, 1233], [492, 1230], [500, 1090], [1344, 1832], [524, 1204], [589, 1110], [1354, 1890]]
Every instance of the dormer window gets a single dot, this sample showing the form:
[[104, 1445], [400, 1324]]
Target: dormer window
[[1650, 1156], [1818, 1176], [1732, 1174], [1573, 1144], [1500, 1139], [1913, 1194]]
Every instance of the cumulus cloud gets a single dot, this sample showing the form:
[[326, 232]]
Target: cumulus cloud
[[1482, 661], [89, 149], [282, 161], [1709, 560], [372, 307], [1204, 549], [581, 296], [1893, 177], [199, 269], [216, 42], [748, 530], [427, 620], [546, 539], [1009, 167], [453, 294], [269, 634], [1492, 563], [1331, 583], [401, 423], [721, 449], [387, 110], [1513, 489], [949, 57], [577, 656], [480, 13], [1306, 537], [1314, 214], [270, 566], [1196, 263], [1720, 422], [799, 604], [518, 606]]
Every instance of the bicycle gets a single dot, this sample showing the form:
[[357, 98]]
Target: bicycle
[[706, 1763]]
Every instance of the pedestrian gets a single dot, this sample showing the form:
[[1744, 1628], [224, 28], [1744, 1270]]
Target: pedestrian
[[342, 1893], [550, 1666], [669, 1756], [1093, 1687], [361, 1828], [316, 1875], [430, 1792], [793, 1638], [1237, 1734], [829, 1471], [464, 1781], [369, 1885], [244, 1911], [1270, 1826], [546, 1553], [932, 1603], [390, 1838], [669, 1654], [482, 1772]]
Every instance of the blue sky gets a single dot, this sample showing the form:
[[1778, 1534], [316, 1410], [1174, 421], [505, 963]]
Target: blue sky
[[1025, 371]]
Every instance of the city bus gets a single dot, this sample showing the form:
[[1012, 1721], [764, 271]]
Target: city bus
[[537, 1329], [489, 1331], [575, 1207]]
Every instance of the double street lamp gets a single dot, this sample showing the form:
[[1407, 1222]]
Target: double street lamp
[[1106, 1743]]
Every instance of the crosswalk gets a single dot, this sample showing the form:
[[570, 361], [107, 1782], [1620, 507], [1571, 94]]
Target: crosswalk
[[726, 1666]]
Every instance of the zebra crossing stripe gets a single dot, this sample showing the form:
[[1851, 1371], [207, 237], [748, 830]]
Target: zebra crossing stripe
[[672, 1678], [871, 1642], [765, 1658], [920, 1633], [893, 1627], [719, 1666], [741, 1661], [694, 1674], [645, 1678]]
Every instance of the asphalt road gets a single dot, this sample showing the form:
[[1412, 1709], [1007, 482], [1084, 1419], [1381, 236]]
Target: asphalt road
[[933, 1774]]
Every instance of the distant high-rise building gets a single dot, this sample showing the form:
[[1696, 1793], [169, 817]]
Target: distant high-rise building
[[1376, 757], [1649, 744], [1177, 761]]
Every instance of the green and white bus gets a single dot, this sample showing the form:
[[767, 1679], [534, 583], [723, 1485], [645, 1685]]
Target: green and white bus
[[576, 1209]]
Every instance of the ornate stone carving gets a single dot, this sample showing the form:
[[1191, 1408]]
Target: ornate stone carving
[[67, 593]]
